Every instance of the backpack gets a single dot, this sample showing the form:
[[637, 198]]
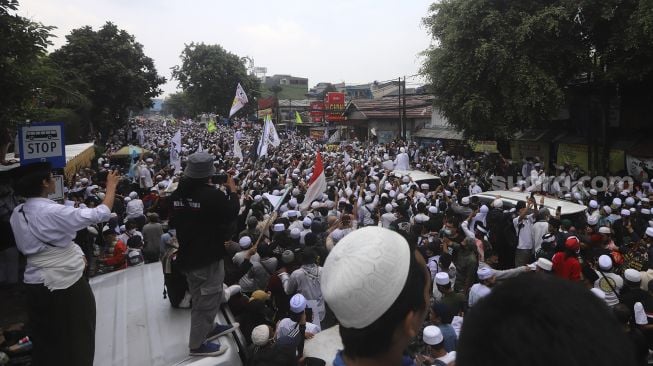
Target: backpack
[[174, 281]]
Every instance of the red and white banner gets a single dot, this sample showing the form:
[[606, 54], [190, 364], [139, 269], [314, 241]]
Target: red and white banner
[[316, 185]]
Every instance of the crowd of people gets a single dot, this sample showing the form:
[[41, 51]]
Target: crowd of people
[[359, 256]]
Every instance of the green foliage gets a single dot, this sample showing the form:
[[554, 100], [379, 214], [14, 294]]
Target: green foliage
[[208, 74], [178, 104], [497, 67], [22, 42], [110, 69]]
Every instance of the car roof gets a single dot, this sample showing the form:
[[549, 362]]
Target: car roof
[[417, 175], [567, 208], [135, 325]]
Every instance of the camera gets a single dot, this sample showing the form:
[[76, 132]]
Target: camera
[[220, 178]]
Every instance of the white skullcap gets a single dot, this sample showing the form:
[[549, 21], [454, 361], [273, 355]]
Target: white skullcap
[[278, 228], [297, 303], [307, 222], [640, 314], [401, 196], [364, 274], [568, 195], [276, 192], [388, 187], [577, 196], [465, 200], [607, 209], [593, 192], [630, 201], [433, 209], [497, 203], [604, 230], [432, 335], [296, 192], [645, 211], [245, 242], [293, 213], [485, 273], [605, 263], [292, 203], [632, 275], [598, 293], [84, 180], [649, 232], [424, 186], [392, 193], [368, 199], [133, 195], [592, 220], [372, 187], [127, 199], [315, 205], [149, 160], [388, 207], [625, 212], [484, 209], [258, 198], [261, 335], [402, 149], [405, 179], [123, 228], [593, 204], [442, 279], [421, 218], [544, 264], [295, 233], [616, 202]]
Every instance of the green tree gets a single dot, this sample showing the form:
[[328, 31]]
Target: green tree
[[178, 104], [209, 75], [22, 43], [110, 68], [497, 67], [501, 66]]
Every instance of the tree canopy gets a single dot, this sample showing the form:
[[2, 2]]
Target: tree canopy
[[22, 44], [208, 74], [497, 67], [110, 68]]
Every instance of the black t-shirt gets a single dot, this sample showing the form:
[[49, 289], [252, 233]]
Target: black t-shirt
[[201, 218]]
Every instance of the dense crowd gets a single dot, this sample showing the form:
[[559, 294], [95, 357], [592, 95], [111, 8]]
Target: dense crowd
[[277, 244]]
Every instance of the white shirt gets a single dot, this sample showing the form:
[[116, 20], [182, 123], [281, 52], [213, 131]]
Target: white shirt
[[286, 326], [525, 236], [402, 162], [135, 208], [477, 292], [387, 219], [40, 220], [448, 358]]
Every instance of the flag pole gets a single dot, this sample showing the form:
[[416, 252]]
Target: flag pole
[[273, 215]]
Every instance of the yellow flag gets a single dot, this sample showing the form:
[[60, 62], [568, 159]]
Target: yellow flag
[[298, 118], [211, 126]]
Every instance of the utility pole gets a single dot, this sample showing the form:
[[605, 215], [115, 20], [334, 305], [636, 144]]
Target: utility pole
[[403, 113], [401, 116]]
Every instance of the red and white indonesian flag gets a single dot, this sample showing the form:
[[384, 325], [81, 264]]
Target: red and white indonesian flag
[[239, 100], [317, 185]]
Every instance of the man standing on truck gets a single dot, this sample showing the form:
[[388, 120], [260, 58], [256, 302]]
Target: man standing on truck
[[202, 214]]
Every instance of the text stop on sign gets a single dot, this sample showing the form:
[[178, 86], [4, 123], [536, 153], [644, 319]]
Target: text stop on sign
[[43, 142]]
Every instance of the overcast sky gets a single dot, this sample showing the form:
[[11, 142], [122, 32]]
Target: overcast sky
[[355, 41]]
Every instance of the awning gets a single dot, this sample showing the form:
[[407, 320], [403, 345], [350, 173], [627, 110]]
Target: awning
[[78, 156], [439, 133], [125, 152]]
